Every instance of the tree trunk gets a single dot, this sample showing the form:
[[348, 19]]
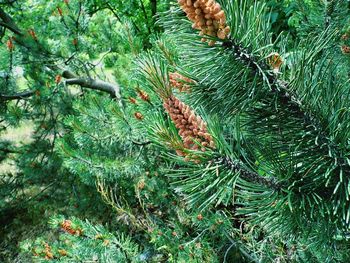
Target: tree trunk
[[154, 8]]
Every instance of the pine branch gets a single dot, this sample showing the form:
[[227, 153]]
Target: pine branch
[[8, 150], [236, 167], [260, 68], [141, 143], [17, 96], [280, 90], [8, 23], [95, 84]]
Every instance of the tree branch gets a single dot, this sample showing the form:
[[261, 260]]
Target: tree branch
[[154, 7], [8, 22], [146, 16], [7, 150], [287, 98], [250, 176], [17, 96], [95, 84], [72, 79]]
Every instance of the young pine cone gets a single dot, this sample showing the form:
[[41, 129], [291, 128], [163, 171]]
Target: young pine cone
[[10, 44], [208, 17], [179, 82], [138, 116], [191, 128], [275, 61], [345, 49], [143, 95], [66, 225], [132, 100], [345, 37]]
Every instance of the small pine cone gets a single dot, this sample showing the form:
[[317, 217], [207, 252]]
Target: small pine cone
[[10, 44], [132, 100], [180, 82], [275, 61], [345, 49], [141, 185], [138, 116], [66, 225], [191, 128], [33, 34], [47, 251], [60, 12], [143, 95], [345, 37], [58, 79], [206, 16]]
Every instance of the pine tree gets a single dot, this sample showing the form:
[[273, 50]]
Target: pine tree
[[229, 142], [251, 126], [262, 131]]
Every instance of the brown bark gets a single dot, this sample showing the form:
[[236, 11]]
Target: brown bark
[[154, 7]]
